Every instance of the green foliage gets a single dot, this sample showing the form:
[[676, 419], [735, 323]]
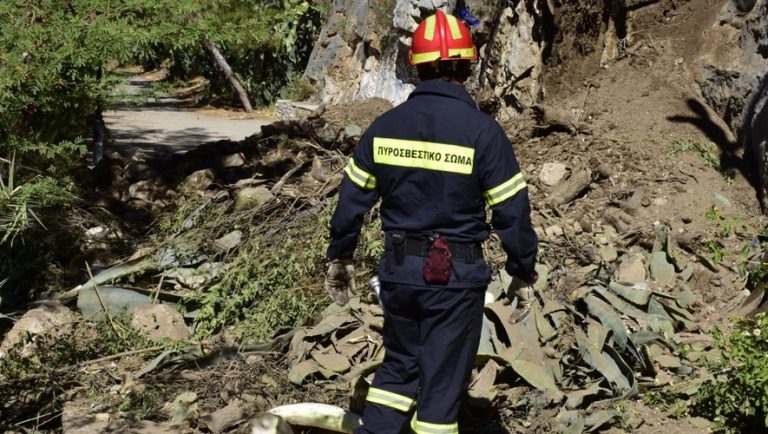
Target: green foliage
[[278, 282], [666, 398], [726, 225], [706, 150], [715, 251], [18, 203], [55, 59], [737, 397], [268, 286]]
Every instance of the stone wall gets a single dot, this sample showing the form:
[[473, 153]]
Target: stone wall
[[362, 51], [733, 74]]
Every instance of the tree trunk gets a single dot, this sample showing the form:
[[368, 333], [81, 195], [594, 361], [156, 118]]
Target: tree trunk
[[222, 63]]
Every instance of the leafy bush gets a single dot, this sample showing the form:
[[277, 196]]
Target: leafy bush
[[278, 282], [269, 285], [737, 397]]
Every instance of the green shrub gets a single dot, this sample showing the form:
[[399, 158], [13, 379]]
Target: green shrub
[[737, 397]]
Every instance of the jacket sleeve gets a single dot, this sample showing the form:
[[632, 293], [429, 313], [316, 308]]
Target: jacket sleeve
[[357, 196], [506, 193]]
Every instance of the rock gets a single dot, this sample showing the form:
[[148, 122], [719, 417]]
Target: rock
[[552, 173], [352, 132], [667, 362], [569, 190], [287, 110], [143, 191], [50, 318], [327, 134], [722, 200], [233, 160], [77, 417], [693, 356], [199, 181], [605, 170], [252, 197], [632, 269], [229, 241], [160, 321], [554, 231], [609, 253]]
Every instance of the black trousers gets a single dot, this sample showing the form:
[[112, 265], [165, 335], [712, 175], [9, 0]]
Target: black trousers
[[431, 335]]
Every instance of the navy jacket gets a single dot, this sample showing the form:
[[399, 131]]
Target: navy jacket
[[436, 161]]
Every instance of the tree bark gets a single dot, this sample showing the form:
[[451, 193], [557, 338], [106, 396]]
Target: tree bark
[[222, 63]]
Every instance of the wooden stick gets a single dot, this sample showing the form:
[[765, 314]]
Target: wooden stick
[[101, 302]]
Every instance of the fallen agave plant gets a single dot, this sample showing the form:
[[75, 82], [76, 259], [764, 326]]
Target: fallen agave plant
[[328, 417]]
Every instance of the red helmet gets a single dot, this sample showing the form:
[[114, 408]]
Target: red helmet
[[441, 37]]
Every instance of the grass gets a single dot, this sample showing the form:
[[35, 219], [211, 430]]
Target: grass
[[707, 151]]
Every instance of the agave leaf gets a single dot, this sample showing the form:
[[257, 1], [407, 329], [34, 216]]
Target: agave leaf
[[637, 293], [596, 333], [576, 398], [302, 370], [535, 375], [571, 422], [608, 318], [602, 364], [546, 331], [331, 361], [329, 324], [620, 304]]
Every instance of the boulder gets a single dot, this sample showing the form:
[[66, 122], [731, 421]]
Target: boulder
[[199, 181], [552, 173], [252, 197], [160, 321], [632, 269], [50, 318]]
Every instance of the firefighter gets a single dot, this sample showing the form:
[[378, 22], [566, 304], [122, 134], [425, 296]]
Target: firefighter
[[435, 161]]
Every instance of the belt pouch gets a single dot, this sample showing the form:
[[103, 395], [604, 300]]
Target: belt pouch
[[437, 265], [394, 250], [398, 246]]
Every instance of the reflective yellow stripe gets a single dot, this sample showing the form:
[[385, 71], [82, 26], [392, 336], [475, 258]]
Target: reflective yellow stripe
[[506, 190], [423, 155], [389, 399], [461, 52], [425, 57], [453, 24], [429, 30], [359, 176], [433, 428]]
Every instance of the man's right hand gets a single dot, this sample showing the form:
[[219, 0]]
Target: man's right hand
[[525, 294], [339, 279]]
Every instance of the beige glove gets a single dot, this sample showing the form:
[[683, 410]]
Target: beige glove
[[525, 295], [340, 277]]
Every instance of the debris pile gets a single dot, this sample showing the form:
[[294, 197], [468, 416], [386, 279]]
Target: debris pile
[[620, 333]]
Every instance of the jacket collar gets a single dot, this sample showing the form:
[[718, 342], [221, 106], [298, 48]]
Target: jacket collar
[[444, 88]]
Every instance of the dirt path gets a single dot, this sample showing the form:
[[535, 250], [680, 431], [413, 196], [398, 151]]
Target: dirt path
[[168, 125]]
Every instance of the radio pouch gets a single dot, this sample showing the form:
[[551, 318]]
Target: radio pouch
[[437, 265]]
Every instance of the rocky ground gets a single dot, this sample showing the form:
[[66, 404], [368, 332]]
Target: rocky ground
[[646, 215]]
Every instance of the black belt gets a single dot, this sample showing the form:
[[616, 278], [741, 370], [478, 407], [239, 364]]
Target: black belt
[[420, 247]]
